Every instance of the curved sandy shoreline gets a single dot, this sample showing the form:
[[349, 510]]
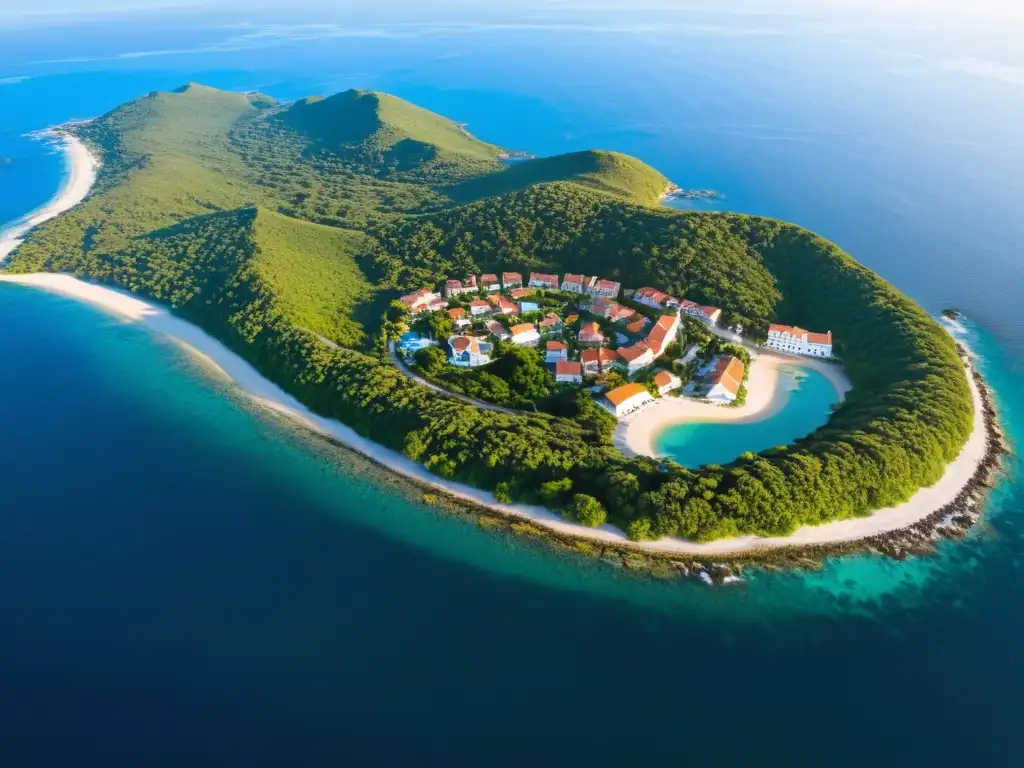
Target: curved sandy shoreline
[[158, 319], [634, 435], [925, 502], [82, 168]]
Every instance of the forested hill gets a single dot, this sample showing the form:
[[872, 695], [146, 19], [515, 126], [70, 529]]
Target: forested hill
[[275, 226]]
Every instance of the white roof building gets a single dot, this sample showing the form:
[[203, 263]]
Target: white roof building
[[797, 341]]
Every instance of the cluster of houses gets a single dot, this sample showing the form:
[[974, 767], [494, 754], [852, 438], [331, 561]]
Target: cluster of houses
[[722, 379]]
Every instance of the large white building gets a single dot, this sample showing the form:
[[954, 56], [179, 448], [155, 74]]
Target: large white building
[[524, 335], [626, 399], [797, 341]]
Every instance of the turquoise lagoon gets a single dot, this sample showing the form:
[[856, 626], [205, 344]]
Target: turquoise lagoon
[[805, 402]]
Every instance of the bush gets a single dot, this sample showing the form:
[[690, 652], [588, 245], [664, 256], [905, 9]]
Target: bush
[[586, 510]]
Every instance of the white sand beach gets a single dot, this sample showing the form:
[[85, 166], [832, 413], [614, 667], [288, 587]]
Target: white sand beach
[[250, 382], [635, 433], [82, 167]]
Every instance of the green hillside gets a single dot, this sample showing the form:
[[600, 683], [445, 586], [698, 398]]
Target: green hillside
[[272, 227], [388, 136], [312, 270], [611, 172]]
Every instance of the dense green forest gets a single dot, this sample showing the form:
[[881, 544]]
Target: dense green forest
[[276, 228]]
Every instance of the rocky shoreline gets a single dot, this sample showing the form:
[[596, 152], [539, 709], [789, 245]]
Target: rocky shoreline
[[952, 521]]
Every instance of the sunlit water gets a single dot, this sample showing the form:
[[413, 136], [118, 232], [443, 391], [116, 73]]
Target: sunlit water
[[806, 403], [188, 580]]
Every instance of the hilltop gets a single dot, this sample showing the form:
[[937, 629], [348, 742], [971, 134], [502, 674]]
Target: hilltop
[[275, 227]]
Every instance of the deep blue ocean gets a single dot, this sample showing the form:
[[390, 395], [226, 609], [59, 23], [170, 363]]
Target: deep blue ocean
[[185, 580]]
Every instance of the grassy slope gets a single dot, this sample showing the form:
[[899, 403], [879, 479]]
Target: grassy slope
[[612, 172], [312, 270]]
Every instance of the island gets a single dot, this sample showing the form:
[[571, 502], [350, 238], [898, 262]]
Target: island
[[311, 237]]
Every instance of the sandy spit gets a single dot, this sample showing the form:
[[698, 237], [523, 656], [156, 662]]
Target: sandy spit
[[82, 167]]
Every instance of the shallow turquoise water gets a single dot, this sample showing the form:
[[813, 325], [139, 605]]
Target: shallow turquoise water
[[807, 403]]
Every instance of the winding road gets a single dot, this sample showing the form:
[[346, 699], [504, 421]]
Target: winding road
[[441, 390]]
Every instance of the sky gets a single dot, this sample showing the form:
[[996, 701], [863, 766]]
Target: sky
[[932, 8]]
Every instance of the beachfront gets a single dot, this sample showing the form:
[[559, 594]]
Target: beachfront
[[635, 434], [82, 168]]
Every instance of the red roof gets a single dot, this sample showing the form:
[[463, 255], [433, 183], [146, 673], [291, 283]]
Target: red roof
[[728, 372], [658, 338], [798, 333], [521, 328], [629, 354], [488, 278], [591, 355], [456, 313], [606, 355], [820, 338], [540, 277], [519, 293], [511, 277], [568, 368], [556, 346], [550, 319], [573, 279], [663, 378]]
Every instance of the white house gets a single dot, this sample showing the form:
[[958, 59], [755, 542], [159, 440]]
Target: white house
[[575, 283], [498, 330], [556, 352], [633, 359], [479, 307], [590, 333], [424, 300], [608, 289], [524, 335], [458, 316], [797, 341], [725, 379], [707, 315], [540, 280], [654, 298], [664, 332], [490, 283], [511, 279], [626, 399], [568, 372], [469, 352], [666, 382]]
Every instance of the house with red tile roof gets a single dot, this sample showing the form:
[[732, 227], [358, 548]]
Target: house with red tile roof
[[555, 351], [524, 335], [707, 315], [606, 288], [626, 399], [568, 372], [490, 283], [520, 293], [654, 298], [424, 300], [590, 334], [498, 330], [666, 382], [540, 280], [551, 323], [664, 332], [459, 316], [637, 326], [725, 379], [479, 307], [511, 279], [503, 305], [469, 352], [575, 283], [634, 358], [798, 341]]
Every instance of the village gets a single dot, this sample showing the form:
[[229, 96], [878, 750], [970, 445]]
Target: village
[[628, 347]]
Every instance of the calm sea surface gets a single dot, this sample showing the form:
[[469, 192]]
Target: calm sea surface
[[807, 404], [187, 581]]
